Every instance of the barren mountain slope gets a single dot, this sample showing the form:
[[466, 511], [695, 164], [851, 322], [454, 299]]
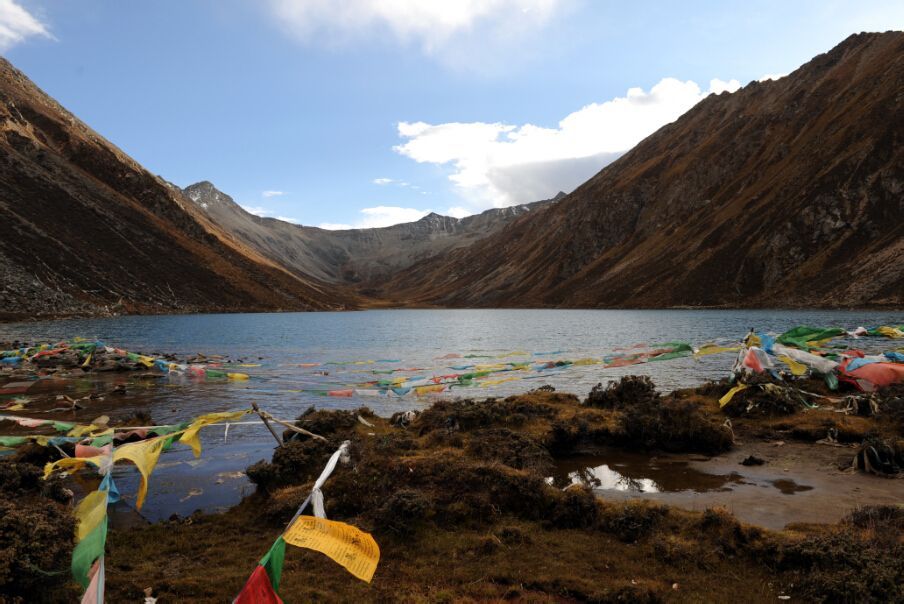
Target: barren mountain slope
[[86, 229], [785, 193], [354, 255]]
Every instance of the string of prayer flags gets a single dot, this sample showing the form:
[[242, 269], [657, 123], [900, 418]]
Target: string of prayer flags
[[348, 546]]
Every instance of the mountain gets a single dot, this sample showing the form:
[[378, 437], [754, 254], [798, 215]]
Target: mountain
[[85, 229], [784, 193], [354, 256]]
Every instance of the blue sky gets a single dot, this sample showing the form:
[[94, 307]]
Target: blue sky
[[369, 112]]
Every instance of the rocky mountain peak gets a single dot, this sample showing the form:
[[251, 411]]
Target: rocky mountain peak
[[204, 194]]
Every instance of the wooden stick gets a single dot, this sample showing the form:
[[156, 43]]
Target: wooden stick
[[293, 427], [266, 423]]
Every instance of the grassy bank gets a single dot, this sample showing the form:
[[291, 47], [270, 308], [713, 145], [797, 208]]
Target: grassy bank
[[458, 500]]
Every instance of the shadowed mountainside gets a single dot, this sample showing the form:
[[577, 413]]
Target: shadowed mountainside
[[354, 255], [85, 229], [784, 193]]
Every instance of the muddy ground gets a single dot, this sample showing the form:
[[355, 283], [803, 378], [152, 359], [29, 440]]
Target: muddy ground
[[463, 502]]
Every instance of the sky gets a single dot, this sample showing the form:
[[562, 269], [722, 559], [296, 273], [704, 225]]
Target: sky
[[359, 113]]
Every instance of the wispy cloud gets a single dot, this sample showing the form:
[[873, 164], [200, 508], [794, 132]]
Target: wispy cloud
[[17, 25], [458, 32], [498, 164], [379, 216], [395, 182], [273, 193], [258, 211], [263, 212]]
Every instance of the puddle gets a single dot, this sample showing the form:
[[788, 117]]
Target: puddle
[[638, 473], [789, 487]]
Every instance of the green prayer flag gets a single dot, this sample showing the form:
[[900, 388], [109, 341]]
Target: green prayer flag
[[273, 562], [802, 335], [87, 551]]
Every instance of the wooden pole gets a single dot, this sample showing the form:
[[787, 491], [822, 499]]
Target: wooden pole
[[266, 423], [294, 427]]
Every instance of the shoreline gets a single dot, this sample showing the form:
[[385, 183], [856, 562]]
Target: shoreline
[[6, 317], [457, 501]]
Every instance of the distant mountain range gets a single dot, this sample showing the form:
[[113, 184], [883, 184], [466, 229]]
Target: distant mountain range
[[784, 193], [354, 256]]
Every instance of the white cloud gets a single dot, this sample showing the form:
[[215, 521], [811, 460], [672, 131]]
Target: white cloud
[[771, 76], [398, 183], [498, 165], [434, 25], [379, 216], [458, 212], [17, 24], [288, 219], [273, 193], [258, 211]]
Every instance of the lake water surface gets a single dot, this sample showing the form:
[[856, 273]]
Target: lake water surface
[[294, 350]]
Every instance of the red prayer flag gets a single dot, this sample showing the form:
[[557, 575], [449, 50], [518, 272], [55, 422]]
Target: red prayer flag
[[258, 589]]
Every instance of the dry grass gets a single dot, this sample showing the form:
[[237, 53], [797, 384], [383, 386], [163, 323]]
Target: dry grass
[[458, 503]]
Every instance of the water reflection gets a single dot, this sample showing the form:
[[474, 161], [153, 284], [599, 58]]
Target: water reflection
[[605, 478], [638, 473]]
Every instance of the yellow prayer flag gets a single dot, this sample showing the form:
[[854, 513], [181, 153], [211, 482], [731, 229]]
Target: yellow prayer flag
[[890, 332], [497, 382], [795, 367], [422, 390], [348, 546], [144, 454], [715, 349], [582, 362], [78, 431], [728, 395], [190, 436], [90, 512], [69, 463]]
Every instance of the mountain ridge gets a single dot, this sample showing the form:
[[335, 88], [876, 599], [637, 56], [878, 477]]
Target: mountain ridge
[[785, 193], [87, 230], [351, 256]]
